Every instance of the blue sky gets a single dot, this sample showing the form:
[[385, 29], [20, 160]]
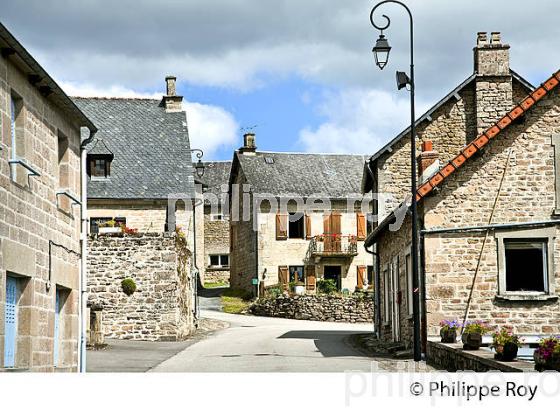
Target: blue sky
[[302, 72]]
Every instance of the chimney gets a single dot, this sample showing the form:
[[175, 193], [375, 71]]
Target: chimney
[[171, 101], [428, 162], [249, 146], [494, 93]]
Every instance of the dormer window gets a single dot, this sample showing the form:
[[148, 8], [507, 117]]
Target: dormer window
[[99, 161]]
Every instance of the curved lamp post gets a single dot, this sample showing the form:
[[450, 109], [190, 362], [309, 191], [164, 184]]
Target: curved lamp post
[[381, 52], [199, 166]]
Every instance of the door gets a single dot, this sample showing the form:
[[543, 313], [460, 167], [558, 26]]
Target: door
[[10, 322], [332, 231], [334, 273], [56, 347], [395, 291], [310, 277]]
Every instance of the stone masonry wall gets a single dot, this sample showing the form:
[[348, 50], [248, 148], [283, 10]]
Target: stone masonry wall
[[31, 215], [160, 265], [322, 308]]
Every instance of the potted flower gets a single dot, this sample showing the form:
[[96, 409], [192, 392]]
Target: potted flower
[[448, 331], [547, 355], [472, 334], [506, 344], [111, 226]]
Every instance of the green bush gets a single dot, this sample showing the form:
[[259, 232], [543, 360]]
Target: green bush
[[238, 293], [326, 286], [273, 291], [128, 286]]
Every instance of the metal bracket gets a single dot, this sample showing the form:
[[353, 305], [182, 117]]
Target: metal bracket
[[68, 194], [31, 172]]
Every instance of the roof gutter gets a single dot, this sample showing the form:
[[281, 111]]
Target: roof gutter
[[537, 224]]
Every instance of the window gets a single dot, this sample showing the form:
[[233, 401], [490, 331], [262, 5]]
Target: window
[[96, 223], [219, 261], [99, 168], [526, 267], [218, 217], [409, 286], [370, 278], [296, 225], [296, 274], [525, 264]]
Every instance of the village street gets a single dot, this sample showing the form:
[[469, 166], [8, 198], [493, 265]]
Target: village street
[[247, 344]]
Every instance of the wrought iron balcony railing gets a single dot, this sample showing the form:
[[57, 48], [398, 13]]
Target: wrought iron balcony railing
[[333, 245]]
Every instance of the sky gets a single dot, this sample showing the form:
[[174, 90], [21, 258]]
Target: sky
[[300, 74]]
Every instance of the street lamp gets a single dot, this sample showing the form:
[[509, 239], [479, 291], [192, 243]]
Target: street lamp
[[199, 166], [381, 53]]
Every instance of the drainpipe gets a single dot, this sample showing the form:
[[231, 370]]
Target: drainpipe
[[196, 271], [82, 292], [376, 295]]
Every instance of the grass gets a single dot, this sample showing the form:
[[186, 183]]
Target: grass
[[235, 300], [211, 285]]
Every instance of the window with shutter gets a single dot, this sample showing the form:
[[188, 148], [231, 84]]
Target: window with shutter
[[281, 227], [308, 227], [310, 277], [360, 270], [361, 227], [283, 276]]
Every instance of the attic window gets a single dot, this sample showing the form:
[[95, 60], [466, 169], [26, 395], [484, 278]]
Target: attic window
[[269, 160], [99, 167]]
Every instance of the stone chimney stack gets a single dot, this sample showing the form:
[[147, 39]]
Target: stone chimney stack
[[249, 146], [428, 161], [494, 93], [171, 101]]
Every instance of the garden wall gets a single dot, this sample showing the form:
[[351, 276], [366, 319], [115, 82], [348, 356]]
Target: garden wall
[[162, 308], [316, 307]]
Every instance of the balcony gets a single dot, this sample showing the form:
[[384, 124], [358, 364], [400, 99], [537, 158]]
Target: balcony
[[334, 246]]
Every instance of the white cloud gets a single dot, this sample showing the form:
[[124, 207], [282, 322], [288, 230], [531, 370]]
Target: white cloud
[[210, 127], [355, 119]]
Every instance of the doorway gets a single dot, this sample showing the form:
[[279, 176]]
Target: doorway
[[335, 273]]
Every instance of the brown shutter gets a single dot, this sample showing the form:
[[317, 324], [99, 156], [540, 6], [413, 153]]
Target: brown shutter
[[360, 271], [281, 227], [361, 224], [336, 230], [327, 239], [311, 279], [308, 226], [283, 276]]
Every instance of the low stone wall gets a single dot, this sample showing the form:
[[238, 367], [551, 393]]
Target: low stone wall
[[316, 307], [162, 308], [216, 275], [452, 357]]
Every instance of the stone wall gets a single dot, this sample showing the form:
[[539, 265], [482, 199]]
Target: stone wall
[[160, 265], [317, 307], [32, 217]]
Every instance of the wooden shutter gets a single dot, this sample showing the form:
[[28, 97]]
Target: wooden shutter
[[336, 223], [361, 227], [283, 276], [308, 226], [310, 277], [361, 270], [281, 227]]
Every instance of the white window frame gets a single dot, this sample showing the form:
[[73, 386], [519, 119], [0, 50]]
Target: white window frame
[[219, 255], [409, 282], [541, 234]]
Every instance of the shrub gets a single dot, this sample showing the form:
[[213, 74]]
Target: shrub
[[238, 293], [503, 336], [326, 286], [274, 291], [128, 286], [478, 326]]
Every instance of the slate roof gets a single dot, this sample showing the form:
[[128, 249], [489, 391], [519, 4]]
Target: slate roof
[[151, 149], [216, 174], [333, 176]]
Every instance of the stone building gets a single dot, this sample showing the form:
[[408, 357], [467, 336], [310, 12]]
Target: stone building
[[488, 198], [40, 194], [296, 217], [216, 222]]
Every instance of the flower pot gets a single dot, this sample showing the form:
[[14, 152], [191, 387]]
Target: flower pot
[[299, 289], [507, 352], [448, 335], [550, 363], [109, 229], [471, 341]]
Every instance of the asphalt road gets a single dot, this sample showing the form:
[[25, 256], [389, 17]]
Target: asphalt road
[[259, 344]]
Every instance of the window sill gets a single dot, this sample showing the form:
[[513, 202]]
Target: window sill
[[213, 267], [519, 297]]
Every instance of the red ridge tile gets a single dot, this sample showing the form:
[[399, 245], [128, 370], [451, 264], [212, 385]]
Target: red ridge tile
[[469, 150], [459, 160], [551, 83], [481, 141], [492, 131], [504, 122], [516, 112], [527, 103], [447, 170], [538, 93]]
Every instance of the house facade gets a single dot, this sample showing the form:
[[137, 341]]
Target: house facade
[[40, 198], [216, 222], [296, 218], [487, 209], [140, 172]]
